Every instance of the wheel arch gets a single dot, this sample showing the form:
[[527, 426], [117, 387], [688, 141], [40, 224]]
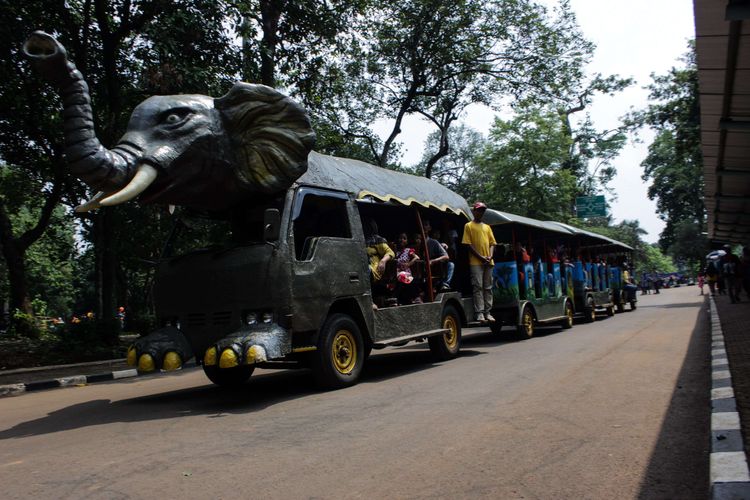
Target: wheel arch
[[350, 307], [530, 305], [456, 304]]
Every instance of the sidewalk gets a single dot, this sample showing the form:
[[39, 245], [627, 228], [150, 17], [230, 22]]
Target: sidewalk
[[730, 397], [735, 323], [42, 373]]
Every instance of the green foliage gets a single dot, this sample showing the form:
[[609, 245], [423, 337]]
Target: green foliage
[[454, 169], [656, 260], [23, 325], [690, 245], [521, 171], [126, 51], [674, 164], [433, 59]]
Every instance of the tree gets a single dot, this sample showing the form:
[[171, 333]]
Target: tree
[[689, 245], [674, 163], [126, 51], [433, 58], [520, 168], [312, 49], [453, 169]]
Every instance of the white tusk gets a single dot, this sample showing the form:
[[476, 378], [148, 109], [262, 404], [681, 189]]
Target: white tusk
[[138, 184], [92, 204]]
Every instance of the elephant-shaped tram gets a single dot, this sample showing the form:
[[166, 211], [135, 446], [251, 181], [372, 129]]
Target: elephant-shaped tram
[[281, 277], [268, 261], [548, 273]]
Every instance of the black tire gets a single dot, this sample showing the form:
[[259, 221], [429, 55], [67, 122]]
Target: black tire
[[447, 346], [567, 323], [589, 311], [632, 305], [610, 311], [340, 356], [525, 330], [228, 377], [620, 307]]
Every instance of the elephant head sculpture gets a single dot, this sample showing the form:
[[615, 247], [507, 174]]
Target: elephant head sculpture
[[190, 150]]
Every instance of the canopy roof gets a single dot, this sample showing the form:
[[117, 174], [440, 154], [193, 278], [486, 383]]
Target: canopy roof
[[368, 182], [723, 56], [595, 238], [497, 218]]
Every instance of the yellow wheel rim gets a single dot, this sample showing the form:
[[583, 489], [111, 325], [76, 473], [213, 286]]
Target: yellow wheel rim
[[528, 323], [569, 314], [451, 337], [344, 352]]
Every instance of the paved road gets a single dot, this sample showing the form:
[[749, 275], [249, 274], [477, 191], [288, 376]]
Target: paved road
[[616, 409]]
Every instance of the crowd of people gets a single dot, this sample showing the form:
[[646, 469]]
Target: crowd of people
[[405, 280], [727, 274]]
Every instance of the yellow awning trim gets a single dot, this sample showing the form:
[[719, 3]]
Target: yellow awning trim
[[409, 201]]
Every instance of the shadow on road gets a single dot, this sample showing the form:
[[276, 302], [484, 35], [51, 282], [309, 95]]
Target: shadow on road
[[671, 306], [678, 467], [262, 391]]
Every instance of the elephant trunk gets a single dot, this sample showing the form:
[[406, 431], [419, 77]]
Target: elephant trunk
[[102, 169]]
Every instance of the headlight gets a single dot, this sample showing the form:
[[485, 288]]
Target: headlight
[[267, 317], [251, 318], [171, 322]]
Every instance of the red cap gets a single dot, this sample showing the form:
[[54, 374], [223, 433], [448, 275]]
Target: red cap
[[479, 206]]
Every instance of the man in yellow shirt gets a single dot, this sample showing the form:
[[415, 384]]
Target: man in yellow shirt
[[481, 244]]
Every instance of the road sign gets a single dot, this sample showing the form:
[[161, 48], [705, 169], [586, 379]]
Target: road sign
[[591, 206]]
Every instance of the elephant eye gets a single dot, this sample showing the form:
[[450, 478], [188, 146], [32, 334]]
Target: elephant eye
[[175, 116]]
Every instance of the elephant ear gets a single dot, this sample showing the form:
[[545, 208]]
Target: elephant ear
[[271, 134]]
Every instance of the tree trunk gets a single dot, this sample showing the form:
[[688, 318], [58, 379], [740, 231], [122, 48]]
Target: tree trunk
[[270, 14], [19, 287]]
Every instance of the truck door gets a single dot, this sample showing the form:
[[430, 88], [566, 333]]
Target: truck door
[[328, 262]]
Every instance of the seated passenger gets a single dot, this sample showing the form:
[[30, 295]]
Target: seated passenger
[[378, 251], [521, 255], [437, 253], [406, 257]]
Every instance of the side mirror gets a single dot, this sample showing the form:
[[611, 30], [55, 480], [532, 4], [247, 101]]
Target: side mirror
[[271, 224]]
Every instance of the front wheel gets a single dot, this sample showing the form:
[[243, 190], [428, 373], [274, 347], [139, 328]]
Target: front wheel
[[446, 346], [610, 311], [567, 322], [340, 356], [228, 377], [589, 311], [620, 307], [632, 305], [526, 329]]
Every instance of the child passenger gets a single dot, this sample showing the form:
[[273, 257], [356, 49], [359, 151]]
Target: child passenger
[[406, 257]]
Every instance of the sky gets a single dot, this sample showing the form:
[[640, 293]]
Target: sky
[[634, 39]]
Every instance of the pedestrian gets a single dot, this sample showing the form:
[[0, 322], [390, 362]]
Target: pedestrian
[[121, 317], [732, 274], [480, 242], [712, 275], [701, 281], [746, 270]]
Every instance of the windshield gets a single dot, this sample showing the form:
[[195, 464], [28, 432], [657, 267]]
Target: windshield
[[200, 231]]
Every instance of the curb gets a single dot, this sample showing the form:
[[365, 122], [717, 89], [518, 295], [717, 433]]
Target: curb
[[729, 474], [79, 380]]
